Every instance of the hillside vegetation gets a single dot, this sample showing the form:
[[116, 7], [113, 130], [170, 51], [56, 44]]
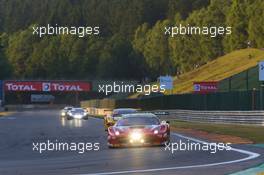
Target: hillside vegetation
[[219, 69], [131, 44]]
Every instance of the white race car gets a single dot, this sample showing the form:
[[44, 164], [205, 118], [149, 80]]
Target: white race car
[[77, 113], [65, 110]]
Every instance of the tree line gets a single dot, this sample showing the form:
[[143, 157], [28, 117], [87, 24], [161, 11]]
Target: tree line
[[131, 45]]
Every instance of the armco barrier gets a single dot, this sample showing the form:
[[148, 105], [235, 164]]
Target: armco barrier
[[226, 117], [25, 107]]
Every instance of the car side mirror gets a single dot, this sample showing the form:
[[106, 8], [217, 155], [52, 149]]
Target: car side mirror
[[165, 122]]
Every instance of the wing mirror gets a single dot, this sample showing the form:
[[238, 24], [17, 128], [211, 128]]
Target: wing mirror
[[165, 122]]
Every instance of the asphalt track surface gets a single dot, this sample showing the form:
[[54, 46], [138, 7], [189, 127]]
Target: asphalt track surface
[[19, 131]]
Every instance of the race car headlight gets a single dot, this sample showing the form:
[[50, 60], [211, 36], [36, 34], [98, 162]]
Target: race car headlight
[[117, 133], [77, 116], [136, 136], [156, 131], [63, 113]]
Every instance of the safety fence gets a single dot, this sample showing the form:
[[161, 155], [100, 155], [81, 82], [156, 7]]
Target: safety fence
[[238, 100], [226, 117]]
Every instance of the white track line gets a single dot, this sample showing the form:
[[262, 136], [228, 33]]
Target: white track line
[[251, 155]]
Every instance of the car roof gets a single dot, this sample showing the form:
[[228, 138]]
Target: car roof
[[139, 115], [77, 108], [124, 109]]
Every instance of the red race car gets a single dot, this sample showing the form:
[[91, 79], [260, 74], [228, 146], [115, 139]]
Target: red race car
[[139, 129]]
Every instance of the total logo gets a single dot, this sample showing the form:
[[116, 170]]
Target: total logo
[[20, 87], [46, 87], [197, 87], [65, 87]]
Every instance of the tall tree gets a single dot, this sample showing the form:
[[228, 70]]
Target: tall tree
[[238, 20]]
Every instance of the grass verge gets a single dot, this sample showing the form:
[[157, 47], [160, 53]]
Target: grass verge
[[252, 133], [219, 69], [216, 70]]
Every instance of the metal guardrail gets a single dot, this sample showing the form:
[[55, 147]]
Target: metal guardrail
[[226, 117], [33, 107]]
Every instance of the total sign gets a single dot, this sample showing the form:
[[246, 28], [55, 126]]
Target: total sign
[[70, 86], [47, 86], [205, 87], [261, 71], [21, 86]]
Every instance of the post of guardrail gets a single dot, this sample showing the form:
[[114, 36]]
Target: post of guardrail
[[253, 99], [261, 95], [230, 84], [247, 81], [205, 101]]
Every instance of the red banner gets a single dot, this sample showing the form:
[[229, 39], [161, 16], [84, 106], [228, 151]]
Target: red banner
[[205, 87], [47, 86]]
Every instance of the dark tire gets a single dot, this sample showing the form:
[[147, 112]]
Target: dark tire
[[112, 147], [69, 118]]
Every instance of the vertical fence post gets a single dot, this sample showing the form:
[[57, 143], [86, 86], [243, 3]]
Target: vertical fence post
[[253, 98], [261, 96], [230, 83], [247, 82], [205, 101]]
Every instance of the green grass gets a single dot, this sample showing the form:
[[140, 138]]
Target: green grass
[[253, 133], [219, 69]]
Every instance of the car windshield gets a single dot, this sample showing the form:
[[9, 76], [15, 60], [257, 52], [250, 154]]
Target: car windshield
[[118, 113], [124, 111], [131, 121], [78, 111]]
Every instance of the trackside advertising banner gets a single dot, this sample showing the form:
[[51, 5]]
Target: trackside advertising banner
[[205, 87], [47, 86]]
